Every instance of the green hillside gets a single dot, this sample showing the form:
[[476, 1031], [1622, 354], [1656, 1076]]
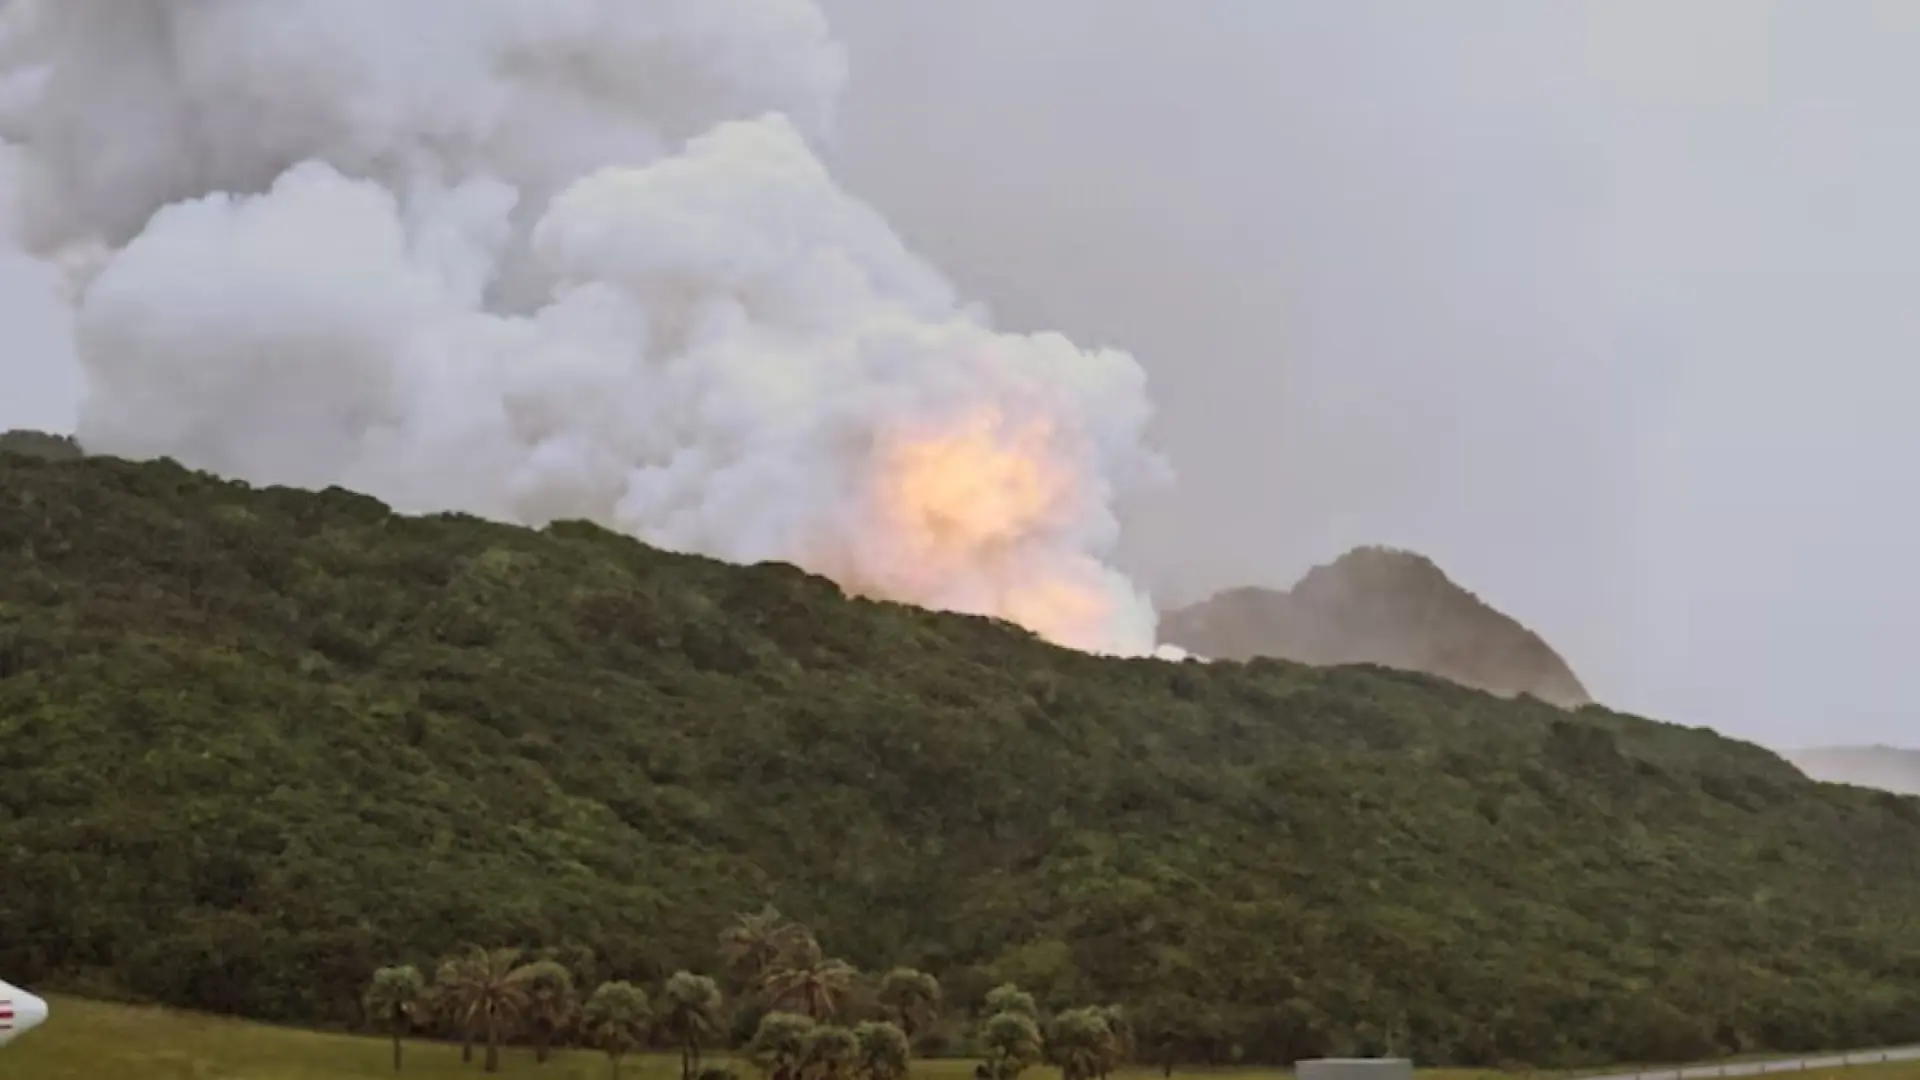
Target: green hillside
[[255, 743]]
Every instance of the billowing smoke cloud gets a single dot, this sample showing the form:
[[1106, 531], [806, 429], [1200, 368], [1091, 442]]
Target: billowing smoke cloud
[[536, 259]]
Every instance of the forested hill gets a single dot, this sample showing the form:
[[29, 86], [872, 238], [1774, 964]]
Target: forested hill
[[1379, 606], [256, 743]]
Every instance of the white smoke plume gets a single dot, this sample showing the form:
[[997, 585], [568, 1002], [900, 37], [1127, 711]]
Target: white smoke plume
[[536, 259]]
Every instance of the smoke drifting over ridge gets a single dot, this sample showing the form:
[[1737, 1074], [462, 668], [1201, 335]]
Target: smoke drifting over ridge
[[1605, 307], [535, 259]]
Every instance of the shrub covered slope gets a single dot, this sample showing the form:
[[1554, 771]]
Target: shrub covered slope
[[256, 743]]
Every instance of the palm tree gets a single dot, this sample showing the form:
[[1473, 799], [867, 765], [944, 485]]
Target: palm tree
[[482, 996], [884, 1051], [550, 1002], [1117, 1050], [780, 1045], [832, 1052], [756, 943], [812, 984], [1083, 1044], [1012, 1043], [615, 1018], [447, 1003], [692, 1011], [397, 997], [913, 997], [1008, 998]]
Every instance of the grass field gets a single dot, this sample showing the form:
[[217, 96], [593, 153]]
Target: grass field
[[92, 1041]]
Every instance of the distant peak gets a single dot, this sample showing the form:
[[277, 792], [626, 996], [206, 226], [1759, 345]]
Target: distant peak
[[41, 445], [1379, 605]]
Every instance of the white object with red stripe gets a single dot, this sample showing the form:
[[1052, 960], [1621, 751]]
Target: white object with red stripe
[[20, 1012]]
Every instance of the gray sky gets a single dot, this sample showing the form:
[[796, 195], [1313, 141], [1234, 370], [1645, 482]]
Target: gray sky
[[1604, 305]]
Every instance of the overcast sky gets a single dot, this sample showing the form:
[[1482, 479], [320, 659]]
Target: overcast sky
[[1606, 306]]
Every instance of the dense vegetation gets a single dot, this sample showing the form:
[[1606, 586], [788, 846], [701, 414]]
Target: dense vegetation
[[257, 744], [1379, 606]]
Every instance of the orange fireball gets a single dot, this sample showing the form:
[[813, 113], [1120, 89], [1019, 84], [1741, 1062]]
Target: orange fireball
[[963, 496], [969, 508]]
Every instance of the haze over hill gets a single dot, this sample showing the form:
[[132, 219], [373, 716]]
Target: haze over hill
[[1606, 307], [1379, 606], [258, 743], [1885, 767]]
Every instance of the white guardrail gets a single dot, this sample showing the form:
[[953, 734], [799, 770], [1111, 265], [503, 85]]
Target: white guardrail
[[1771, 1065]]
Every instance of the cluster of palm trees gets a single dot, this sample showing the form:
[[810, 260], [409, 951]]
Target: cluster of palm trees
[[489, 996], [1086, 1044]]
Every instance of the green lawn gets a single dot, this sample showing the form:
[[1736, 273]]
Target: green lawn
[[88, 1040]]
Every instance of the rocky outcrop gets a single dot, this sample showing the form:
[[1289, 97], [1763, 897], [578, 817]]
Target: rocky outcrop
[[1379, 606]]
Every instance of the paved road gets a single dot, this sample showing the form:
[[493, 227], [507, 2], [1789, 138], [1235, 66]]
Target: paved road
[[1775, 1065]]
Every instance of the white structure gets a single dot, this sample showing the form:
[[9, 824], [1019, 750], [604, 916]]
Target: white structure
[[1353, 1069], [20, 1012]]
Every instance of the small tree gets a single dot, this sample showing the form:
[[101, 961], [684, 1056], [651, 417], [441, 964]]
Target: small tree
[[810, 983], [912, 997], [449, 1004], [1172, 1028], [1086, 1044], [781, 1045], [692, 1004], [1118, 1048], [1008, 998], [884, 1051], [832, 1053], [479, 993], [757, 942], [550, 1002], [396, 998], [1011, 1041], [615, 1019]]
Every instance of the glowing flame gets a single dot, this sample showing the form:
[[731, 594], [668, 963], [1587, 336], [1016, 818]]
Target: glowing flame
[[1076, 613], [967, 508], [970, 493]]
